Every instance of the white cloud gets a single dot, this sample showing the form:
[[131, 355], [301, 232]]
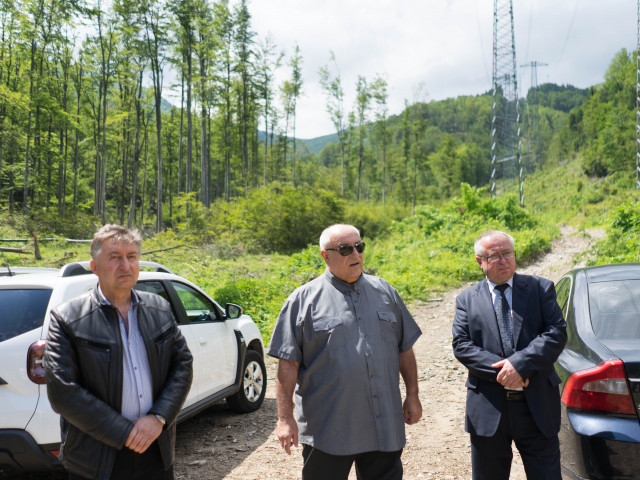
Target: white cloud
[[445, 44]]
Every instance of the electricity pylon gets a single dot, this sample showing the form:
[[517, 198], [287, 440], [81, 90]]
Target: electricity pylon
[[533, 103], [638, 97], [505, 120]]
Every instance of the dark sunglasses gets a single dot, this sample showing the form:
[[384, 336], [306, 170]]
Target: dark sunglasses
[[346, 250]]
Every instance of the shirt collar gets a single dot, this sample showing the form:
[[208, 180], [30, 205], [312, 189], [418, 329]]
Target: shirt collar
[[344, 287], [134, 298], [492, 285]]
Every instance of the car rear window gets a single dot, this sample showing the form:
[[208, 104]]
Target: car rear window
[[615, 309], [22, 310]]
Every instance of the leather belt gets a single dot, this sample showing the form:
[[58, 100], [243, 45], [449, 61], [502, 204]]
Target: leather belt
[[514, 395]]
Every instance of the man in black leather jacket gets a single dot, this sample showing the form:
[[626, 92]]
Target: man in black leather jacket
[[117, 369]]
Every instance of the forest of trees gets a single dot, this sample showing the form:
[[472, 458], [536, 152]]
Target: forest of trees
[[602, 128], [85, 126], [84, 121]]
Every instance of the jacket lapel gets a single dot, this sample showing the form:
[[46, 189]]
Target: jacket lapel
[[519, 307], [487, 312]]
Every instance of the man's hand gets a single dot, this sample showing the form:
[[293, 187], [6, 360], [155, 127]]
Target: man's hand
[[144, 432], [508, 376], [412, 409], [287, 431]]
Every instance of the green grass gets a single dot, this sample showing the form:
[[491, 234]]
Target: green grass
[[421, 255]]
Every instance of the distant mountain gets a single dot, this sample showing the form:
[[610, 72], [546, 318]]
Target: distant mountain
[[313, 145]]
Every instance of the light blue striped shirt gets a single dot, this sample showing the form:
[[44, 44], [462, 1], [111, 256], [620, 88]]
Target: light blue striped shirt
[[137, 392]]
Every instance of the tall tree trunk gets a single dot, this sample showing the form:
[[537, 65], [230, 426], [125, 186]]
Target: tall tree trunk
[[204, 164], [181, 134], [342, 172], [293, 156], [245, 152], [360, 162], [227, 129], [76, 155], [189, 122], [144, 177], [170, 165], [136, 154], [266, 139], [286, 143], [62, 165], [27, 159]]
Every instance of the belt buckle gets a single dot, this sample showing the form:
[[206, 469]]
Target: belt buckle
[[515, 395]]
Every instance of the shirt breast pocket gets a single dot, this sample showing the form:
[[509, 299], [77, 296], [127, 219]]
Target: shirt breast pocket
[[330, 331], [388, 324]]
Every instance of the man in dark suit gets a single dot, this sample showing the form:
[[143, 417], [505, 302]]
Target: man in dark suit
[[508, 331]]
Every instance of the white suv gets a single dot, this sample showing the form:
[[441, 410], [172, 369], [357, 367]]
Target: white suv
[[226, 345]]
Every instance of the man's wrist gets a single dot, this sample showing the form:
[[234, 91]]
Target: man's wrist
[[161, 419]]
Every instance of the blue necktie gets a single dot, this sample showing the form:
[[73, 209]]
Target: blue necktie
[[503, 312]]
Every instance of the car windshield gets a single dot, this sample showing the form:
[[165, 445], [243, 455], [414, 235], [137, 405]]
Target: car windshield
[[615, 309], [22, 310]]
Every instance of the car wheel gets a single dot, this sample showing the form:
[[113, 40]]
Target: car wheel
[[253, 386]]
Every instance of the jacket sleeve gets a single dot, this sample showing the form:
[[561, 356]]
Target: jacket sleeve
[[178, 380], [477, 359], [70, 399]]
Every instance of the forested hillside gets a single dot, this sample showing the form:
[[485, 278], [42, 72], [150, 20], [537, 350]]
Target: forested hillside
[[253, 248], [86, 131]]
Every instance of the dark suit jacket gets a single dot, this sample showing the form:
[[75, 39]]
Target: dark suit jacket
[[539, 332]]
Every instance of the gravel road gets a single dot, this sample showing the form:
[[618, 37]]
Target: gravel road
[[217, 444]]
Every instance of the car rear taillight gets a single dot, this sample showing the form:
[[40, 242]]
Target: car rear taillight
[[35, 362], [602, 388]]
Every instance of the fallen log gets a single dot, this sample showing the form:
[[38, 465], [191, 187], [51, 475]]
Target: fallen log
[[163, 249], [22, 250]]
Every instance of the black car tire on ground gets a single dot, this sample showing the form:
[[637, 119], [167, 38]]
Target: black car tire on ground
[[253, 387]]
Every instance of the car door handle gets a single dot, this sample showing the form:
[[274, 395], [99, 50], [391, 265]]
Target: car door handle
[[203, 341]]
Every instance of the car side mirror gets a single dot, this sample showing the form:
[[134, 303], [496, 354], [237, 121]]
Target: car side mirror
[[231, 310]]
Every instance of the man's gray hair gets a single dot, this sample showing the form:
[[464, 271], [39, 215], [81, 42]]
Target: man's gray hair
[[327, 234], [490, 235], [118, 234]]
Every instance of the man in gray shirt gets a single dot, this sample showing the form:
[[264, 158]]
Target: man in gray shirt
[[342, 341]]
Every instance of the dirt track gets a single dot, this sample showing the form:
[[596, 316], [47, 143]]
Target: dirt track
[[217, 444]]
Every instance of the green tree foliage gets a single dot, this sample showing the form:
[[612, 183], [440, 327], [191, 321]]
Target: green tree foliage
[[622, 243], [559, 97], [602, 129], [277, 218]]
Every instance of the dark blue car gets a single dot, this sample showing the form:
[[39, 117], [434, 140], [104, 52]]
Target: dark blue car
[[600, 372]]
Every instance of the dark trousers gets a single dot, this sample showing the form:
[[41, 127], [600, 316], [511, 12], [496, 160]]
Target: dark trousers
[[129, 465], [319, 465], [491, 456]]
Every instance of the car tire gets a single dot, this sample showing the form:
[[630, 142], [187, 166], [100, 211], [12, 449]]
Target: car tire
[[253, 385]]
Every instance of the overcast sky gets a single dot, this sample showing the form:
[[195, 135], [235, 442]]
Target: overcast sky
[[443, 45]]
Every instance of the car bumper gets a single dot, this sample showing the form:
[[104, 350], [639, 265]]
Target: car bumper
[[21, 453], [599, 446]]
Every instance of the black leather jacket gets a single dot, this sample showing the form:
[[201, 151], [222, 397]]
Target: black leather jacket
[[84, 378]]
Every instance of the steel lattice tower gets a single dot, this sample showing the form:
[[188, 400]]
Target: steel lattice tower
[[638, 97], [534, 113], [505, 120]]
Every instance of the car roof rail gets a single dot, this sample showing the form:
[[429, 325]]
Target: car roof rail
[[74, 269], [82, 268], [11, 271]]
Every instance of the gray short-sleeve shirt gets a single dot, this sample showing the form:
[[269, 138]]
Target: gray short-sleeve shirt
[[347, 339]]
